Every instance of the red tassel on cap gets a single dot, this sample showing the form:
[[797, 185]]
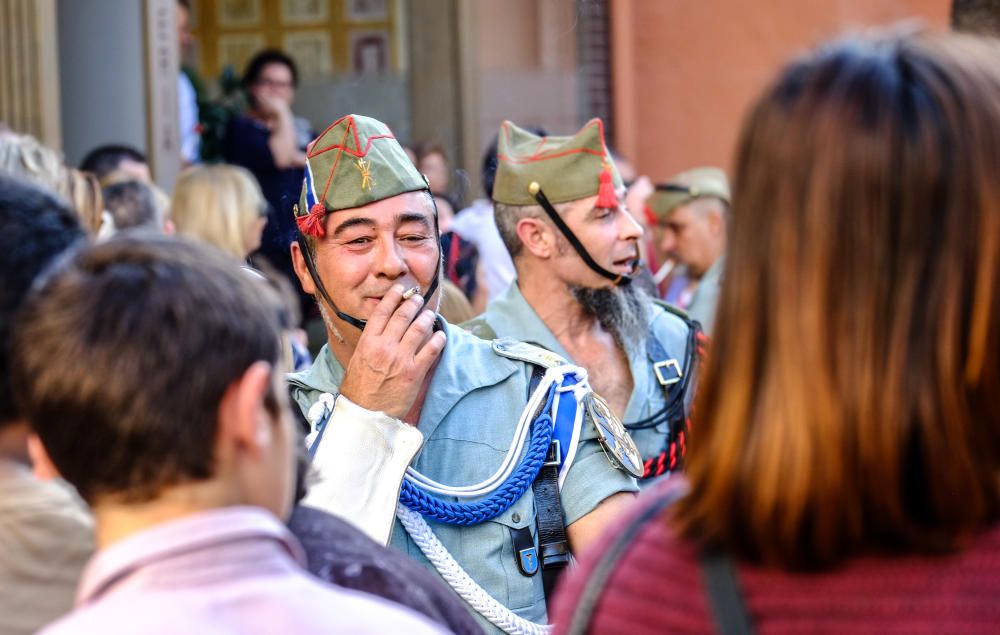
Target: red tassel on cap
[[312, 223], [606, 195], [651, 218]]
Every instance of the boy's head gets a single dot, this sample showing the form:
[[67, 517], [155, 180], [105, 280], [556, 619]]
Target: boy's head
[[148, 364]]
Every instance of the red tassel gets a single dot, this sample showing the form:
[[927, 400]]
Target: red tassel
[[651, 219], [607, 198], [312, 223]]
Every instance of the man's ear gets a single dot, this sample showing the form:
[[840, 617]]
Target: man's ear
[[716, 222], [301, 270], [41, 463], [244, 423], [536, 236]]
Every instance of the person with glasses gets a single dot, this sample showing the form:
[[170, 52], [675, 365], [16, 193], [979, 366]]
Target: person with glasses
[[270, 141]]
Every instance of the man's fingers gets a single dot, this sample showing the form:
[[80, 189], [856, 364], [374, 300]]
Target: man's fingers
[[430, 352], [400, 321], [418, 331], [380, 316]]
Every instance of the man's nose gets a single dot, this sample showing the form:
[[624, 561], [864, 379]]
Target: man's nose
[[668, 242], [389, 262], [628, 227]]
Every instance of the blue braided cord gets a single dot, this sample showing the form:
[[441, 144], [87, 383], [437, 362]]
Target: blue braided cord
[[466, 514]]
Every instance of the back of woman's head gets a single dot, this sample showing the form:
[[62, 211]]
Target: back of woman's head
[[851, 404], [221, 205]]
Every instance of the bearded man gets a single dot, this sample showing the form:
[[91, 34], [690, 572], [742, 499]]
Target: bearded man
[[575, 247]]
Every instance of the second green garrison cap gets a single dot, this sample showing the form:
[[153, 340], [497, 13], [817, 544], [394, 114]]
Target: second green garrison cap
[[565, 168], [684, 187], [356, 161]]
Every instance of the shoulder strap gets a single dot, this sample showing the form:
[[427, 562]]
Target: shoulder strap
[[479, 327], [522, 351], [594, 587], [670, 308], [731, 617]]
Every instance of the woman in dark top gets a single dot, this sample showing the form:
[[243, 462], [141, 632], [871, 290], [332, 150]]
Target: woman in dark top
[[270, 142], [843, 473], [461, 258]]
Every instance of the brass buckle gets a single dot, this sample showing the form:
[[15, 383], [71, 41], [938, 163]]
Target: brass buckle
[[659, 368]]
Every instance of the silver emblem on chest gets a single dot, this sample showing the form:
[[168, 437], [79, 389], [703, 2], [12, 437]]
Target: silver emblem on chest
[[615, 439]]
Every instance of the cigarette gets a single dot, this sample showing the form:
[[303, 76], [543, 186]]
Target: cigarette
[[409, 293]]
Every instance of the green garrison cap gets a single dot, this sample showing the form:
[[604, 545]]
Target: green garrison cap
[[356, 161], [565, 168], [687, 186]]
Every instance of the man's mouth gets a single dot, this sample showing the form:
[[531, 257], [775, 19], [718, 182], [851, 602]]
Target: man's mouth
[[627, 265]]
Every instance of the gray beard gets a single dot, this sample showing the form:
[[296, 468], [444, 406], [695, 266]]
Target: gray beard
[[622, 311]]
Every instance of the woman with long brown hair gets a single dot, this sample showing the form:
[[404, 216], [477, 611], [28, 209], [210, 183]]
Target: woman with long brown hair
[[844, 464]]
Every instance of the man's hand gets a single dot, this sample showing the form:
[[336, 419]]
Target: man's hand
[[273, 107], [393, 356]]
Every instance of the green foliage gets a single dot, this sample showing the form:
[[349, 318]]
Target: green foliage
[[216, 105]]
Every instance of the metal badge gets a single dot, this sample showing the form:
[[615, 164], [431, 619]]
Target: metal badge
[[528, 561], [615, 439]]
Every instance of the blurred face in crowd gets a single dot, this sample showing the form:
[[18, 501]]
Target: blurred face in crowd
[[368, 249], [435, 167], [610, 236], [183, 26], [274, 82], [136, 169], [694, 235]]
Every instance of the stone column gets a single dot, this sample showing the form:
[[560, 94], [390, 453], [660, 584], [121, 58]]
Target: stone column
[[29, 69]]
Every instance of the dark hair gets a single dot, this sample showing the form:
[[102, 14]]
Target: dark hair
[[122, 356], [268, 56], [851, 403], [489, 167], [132, 204], [427, 148], [103, 160], [35, 228]]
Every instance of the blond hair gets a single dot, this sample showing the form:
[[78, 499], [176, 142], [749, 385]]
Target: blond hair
[[219, 204], [26, 158]]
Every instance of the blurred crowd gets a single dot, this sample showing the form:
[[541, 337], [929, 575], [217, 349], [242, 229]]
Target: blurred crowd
[[312, 388]]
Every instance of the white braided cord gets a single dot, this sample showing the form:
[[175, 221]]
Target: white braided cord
[[553, 376], [463, 584]]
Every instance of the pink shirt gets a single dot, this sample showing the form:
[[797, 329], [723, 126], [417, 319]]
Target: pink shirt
[[230, 570]]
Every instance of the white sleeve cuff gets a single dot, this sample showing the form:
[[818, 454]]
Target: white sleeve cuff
[[360, 464]]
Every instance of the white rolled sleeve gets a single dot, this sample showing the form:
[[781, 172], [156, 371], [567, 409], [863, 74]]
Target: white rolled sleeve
[[360, 463]]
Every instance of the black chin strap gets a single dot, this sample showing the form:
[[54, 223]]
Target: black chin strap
[[617, 278], [350, 319]]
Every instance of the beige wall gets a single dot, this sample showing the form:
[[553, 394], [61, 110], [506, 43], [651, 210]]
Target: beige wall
[[684, 72], [523, 68]]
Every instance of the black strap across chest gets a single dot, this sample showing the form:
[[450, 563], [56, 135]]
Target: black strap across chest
[[553, 544], [677, 381]]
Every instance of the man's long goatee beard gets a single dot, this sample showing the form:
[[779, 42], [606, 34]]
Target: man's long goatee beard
[[622, 311]]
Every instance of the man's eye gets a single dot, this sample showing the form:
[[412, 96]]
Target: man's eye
[[414, 238], [363, 240]]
